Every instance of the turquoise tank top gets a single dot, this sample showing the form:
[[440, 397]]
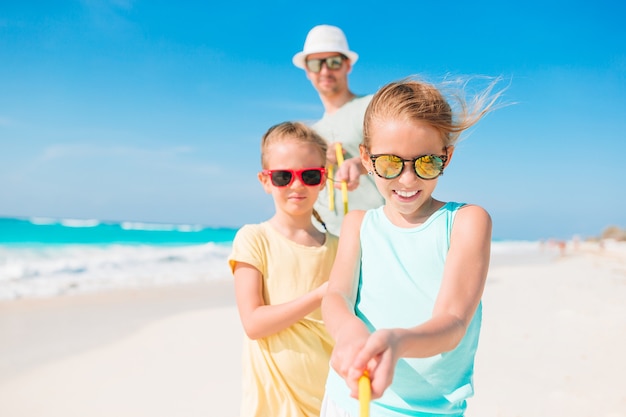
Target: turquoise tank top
[[401, 272]]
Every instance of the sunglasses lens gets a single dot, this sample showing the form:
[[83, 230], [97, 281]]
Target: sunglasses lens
[[388, 166], [428, 166], [281, 178], [314, 65], [334, 62], [312, 176]]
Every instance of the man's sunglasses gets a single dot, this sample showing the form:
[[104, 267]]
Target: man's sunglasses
[[427, 167], [332, 63], [284, 177]]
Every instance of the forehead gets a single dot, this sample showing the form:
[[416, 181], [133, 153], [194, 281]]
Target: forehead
[[292, 154], [405, 137], [322, 55]]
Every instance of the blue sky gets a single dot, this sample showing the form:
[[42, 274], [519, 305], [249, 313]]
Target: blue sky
[[153, 110]]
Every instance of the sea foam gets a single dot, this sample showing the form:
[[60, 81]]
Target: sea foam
[[56, 270]]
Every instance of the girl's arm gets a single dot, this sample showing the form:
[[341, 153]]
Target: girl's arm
[[260, 320], [463, 282], [348, 331]]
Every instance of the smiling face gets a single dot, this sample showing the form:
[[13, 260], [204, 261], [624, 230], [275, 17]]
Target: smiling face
[[408, 198], [295, 199]]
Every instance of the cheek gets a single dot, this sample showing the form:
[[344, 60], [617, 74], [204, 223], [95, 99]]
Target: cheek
[[266, 184]]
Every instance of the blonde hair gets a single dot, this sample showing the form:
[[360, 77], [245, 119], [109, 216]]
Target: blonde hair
[[414, 100], [292, 131], [296, 132]]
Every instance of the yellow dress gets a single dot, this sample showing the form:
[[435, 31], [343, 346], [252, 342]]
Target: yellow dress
[[284, 374]]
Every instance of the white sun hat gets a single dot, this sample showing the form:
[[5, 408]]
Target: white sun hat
[[324, 38]]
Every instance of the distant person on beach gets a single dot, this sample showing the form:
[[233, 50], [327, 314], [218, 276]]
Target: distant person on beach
[[403, 300], [327, 60], [281, 268]]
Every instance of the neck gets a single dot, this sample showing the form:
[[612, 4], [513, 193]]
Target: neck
[[289, 224], [299, 229], [414, 219], [332, 103]]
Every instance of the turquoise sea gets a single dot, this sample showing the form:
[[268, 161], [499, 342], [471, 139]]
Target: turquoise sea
[[48, 257], [43, 257]]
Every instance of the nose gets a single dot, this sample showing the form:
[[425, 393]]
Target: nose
[[408, 175], [297, 182]]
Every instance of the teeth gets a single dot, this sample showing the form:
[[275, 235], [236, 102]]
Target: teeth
[[406, 193]]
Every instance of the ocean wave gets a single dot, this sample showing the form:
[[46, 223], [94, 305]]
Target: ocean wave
[[80, 222], [52, 270], [161, 227], [56, 270], [43, 221]]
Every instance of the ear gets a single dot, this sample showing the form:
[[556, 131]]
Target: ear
[[365, 159], [265, 182], [449, 151], [349, 68]]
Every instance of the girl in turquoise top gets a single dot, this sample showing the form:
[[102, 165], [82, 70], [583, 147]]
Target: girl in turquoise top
[[403, 301]]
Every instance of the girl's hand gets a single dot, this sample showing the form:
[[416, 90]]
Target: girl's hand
[[378, 356], [347, 347], [321, 290]]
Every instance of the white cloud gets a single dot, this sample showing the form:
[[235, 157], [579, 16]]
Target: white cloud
[[61, 151], [178, 159]]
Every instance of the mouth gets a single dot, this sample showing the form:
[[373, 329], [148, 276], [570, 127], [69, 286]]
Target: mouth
[[297, 197], [406, 194]]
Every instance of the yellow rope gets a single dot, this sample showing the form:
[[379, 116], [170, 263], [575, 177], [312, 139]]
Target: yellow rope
[[365, 394], [344, 185], [331, 189]]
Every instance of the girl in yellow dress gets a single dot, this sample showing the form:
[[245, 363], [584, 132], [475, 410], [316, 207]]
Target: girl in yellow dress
[[280, 269]]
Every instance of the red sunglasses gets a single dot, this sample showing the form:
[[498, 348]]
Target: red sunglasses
[[284, 177]]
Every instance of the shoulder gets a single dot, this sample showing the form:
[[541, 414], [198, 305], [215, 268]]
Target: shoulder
[[471, 219], [249, 247], [249, 228], [250, 232], [364, 99], [360, 102], [356, 105], [332, 241], [472, 212], [351, 225], [330, 237]]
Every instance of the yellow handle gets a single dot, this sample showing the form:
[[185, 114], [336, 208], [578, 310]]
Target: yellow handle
[[365, 394], [344, 185], [331, 191]]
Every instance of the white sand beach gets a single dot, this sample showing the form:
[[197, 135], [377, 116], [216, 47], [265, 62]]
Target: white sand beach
[[552, 345]]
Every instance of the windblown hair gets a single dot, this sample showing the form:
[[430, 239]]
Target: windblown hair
[[296, 132], [414, 100]]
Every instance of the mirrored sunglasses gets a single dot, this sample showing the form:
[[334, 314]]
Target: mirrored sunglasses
[[332, 63], [427, 167], [284, 177]]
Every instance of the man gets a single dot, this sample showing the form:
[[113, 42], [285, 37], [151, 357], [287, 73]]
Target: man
[[327, 61]]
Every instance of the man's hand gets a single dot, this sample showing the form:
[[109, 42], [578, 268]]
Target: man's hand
[[350, 172], [331, 153]]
